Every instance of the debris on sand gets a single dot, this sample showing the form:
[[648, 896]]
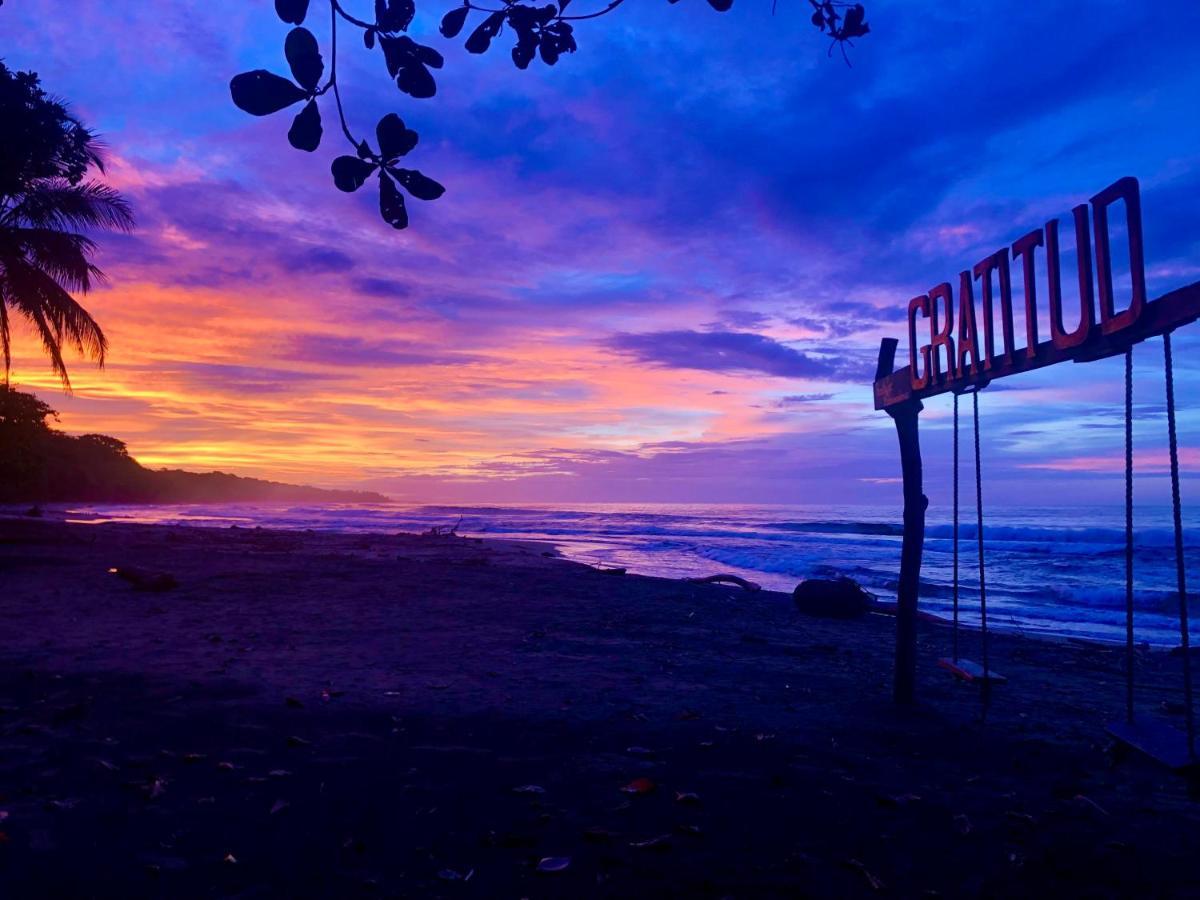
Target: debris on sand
[[639, 786], [144, 579], [841, 598], [727, 579]]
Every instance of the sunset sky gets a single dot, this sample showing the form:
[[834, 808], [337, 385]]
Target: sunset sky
[[661, 269]]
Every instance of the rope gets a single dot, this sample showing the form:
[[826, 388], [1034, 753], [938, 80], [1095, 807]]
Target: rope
[[987, 684], [1179, 563], [1129, 534], [956, 527]]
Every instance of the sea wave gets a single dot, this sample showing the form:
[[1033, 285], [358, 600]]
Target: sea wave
[[967, 531], [1047, 571]]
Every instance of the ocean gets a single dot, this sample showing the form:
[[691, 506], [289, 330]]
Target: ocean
[[1050, 571]]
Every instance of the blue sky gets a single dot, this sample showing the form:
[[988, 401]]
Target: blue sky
[[661, 268]]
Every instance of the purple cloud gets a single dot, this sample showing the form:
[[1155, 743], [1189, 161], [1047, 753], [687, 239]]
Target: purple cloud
[[723, 351], [335, 350], [381, 287], [799, 399], [317, 260]]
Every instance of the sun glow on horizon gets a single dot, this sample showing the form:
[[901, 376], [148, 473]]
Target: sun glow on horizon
[[644, 279]]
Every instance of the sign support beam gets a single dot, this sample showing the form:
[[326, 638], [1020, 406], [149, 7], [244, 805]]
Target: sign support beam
[[905, 415]]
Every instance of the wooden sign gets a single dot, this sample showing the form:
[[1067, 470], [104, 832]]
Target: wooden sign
[[959, 344], [956, 344]]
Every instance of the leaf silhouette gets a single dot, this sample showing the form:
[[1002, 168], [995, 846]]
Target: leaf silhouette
[[854, 24], [395, 140], [557, 39], [522, 53], [453, 22], [261, 93], [539, 30], [416, 81], [544, 31], [292, 11], [305, 133], [406, 61], [350, 172], [481, 37], [391, 203], [394, 15], [304, 57], [420, 186]]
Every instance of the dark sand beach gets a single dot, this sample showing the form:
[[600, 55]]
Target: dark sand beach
[[321, 715]]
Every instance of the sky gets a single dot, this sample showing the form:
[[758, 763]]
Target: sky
[[661, 269]]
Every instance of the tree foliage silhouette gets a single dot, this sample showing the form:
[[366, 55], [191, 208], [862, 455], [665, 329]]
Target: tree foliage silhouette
[[545, 32], [49, 206]]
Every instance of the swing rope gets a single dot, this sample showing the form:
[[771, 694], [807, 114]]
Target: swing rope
[[1129, 534], [986, 693], [1179, 562], [956, 526]]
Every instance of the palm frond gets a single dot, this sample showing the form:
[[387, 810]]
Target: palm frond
[[53, 347], [55, 313], [58, 204], [5, 332], [96, 149], [61, 255]]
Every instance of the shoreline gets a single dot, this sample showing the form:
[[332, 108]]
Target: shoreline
[[411, 689], [1086, 612]]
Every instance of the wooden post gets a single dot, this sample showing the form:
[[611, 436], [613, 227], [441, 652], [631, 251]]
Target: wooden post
[[905, 415]]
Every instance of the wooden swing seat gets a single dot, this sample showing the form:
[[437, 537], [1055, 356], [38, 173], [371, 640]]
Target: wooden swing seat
[[969, 671], [1161, 742]]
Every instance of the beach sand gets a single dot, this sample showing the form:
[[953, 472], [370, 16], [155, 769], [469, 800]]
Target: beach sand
[[310, 714]]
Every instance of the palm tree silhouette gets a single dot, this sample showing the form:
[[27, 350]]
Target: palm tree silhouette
[[49, 206]]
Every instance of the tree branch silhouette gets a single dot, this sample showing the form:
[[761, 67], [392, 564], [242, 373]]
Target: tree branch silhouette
[[544, 32]]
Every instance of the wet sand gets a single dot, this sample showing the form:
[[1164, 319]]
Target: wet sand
[[394, 715]]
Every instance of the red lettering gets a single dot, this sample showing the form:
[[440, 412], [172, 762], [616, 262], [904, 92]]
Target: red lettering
[[1062, 338], [915, 305], [998, 261], [941, 297], [1126, 189], [1024, 248], [968, 336]]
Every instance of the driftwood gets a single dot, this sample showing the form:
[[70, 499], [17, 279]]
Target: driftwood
[[443, 530], [144, 579], [726, 579]]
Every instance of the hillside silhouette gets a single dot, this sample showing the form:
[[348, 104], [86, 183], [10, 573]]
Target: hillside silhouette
[[40, 464]]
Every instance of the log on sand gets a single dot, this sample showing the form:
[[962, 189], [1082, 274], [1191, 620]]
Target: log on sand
[[726, 579]]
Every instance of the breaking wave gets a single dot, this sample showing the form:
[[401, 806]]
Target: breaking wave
[[1057, 571]]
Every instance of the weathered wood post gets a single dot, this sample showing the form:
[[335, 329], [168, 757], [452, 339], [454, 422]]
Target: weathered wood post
[[905, 414]]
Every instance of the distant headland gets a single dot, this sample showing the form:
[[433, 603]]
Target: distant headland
[[39, 464]]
